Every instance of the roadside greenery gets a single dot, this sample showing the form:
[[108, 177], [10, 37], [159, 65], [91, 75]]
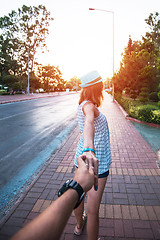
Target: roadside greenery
[[140, 67], [146, 112], [137, 83], [23, 33]]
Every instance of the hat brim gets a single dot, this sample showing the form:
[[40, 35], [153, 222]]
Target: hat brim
[[90, 84]]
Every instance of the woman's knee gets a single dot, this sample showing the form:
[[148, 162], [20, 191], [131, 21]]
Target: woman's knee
[[93, 209]]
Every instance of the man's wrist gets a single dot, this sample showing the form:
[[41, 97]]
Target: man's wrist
[[72, 184]]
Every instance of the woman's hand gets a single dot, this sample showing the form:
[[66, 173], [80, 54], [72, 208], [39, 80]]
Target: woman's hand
[[84, 174], [91, 160]]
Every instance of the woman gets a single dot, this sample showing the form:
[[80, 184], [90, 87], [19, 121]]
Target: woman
[[94, 143]]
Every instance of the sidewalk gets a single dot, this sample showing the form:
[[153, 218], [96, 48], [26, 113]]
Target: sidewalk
[[24, 97], [130, 207]]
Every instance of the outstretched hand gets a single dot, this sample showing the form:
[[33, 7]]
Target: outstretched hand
[[91, 162], [84, 174]]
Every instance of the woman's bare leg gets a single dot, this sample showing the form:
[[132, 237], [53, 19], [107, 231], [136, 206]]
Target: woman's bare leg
[[93, 204], [79, 213]]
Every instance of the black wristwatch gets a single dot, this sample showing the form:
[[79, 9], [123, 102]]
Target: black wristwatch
[[74, 185]]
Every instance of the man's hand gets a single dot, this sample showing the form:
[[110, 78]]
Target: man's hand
[[84, 174]]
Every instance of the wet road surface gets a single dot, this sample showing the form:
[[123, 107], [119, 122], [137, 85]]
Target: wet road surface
[[29, 132]]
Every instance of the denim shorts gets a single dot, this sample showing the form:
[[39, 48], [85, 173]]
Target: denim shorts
[[102, 175]]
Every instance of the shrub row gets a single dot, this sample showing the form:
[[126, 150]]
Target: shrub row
[[145, 113]]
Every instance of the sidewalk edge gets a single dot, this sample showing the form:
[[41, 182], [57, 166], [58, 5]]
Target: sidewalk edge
[[20, 199]]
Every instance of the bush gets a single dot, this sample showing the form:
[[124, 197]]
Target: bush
[[156, 116], [143, 99], [153, 96], [127, 90], [145, 113], [124, 102], [3, 92], [143, 94], [133, 94], [144, 89]]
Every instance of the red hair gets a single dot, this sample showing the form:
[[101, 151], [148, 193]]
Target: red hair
[[93, 93]]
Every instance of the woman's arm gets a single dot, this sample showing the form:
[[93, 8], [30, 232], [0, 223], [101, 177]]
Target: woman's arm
[[90, 112]]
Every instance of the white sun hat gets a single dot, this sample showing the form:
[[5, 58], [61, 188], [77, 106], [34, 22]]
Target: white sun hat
[[90, 79]]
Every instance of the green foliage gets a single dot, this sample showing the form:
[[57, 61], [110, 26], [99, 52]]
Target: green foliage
[[143, 94], [22, 34], [75, 81], [156, 116], [144, 89], [143, 99], [133, 94], [123, 101], [127, 90], [51, 78], [153, 96], [140, 64], [3, 92], [147, 113], [69, 85], [17, 86]]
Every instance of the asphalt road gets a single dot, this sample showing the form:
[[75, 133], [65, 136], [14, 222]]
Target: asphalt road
[[29, 132]]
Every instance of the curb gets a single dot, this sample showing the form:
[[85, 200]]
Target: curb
[[22, 196], [36, 97]]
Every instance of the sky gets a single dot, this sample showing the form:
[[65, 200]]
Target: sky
[[80, 40]]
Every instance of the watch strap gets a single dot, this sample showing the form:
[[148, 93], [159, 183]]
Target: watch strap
[[74, 185]]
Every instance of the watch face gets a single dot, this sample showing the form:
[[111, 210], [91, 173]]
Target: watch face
[[63, 188]]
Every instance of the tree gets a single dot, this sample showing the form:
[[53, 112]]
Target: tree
[[23, 33], [137, 67], [153, 35], [153, 22], [51, 77], [74, 83]]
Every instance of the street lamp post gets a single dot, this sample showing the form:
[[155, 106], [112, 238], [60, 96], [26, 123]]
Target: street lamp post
[[28, 71], [113, 42]]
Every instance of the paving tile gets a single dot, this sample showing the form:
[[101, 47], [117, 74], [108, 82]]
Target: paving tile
[[134, 212], [38, 205], [118, 228], [150, 213], [102, 211], [143, 233], [105, 231], [155, 225], [125, 212], [109, 211], [142, 212], [157, 211], [117, 211], [128, 229], [140, 224]]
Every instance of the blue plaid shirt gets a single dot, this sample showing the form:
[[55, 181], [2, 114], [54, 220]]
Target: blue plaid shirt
[[101, 140]]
